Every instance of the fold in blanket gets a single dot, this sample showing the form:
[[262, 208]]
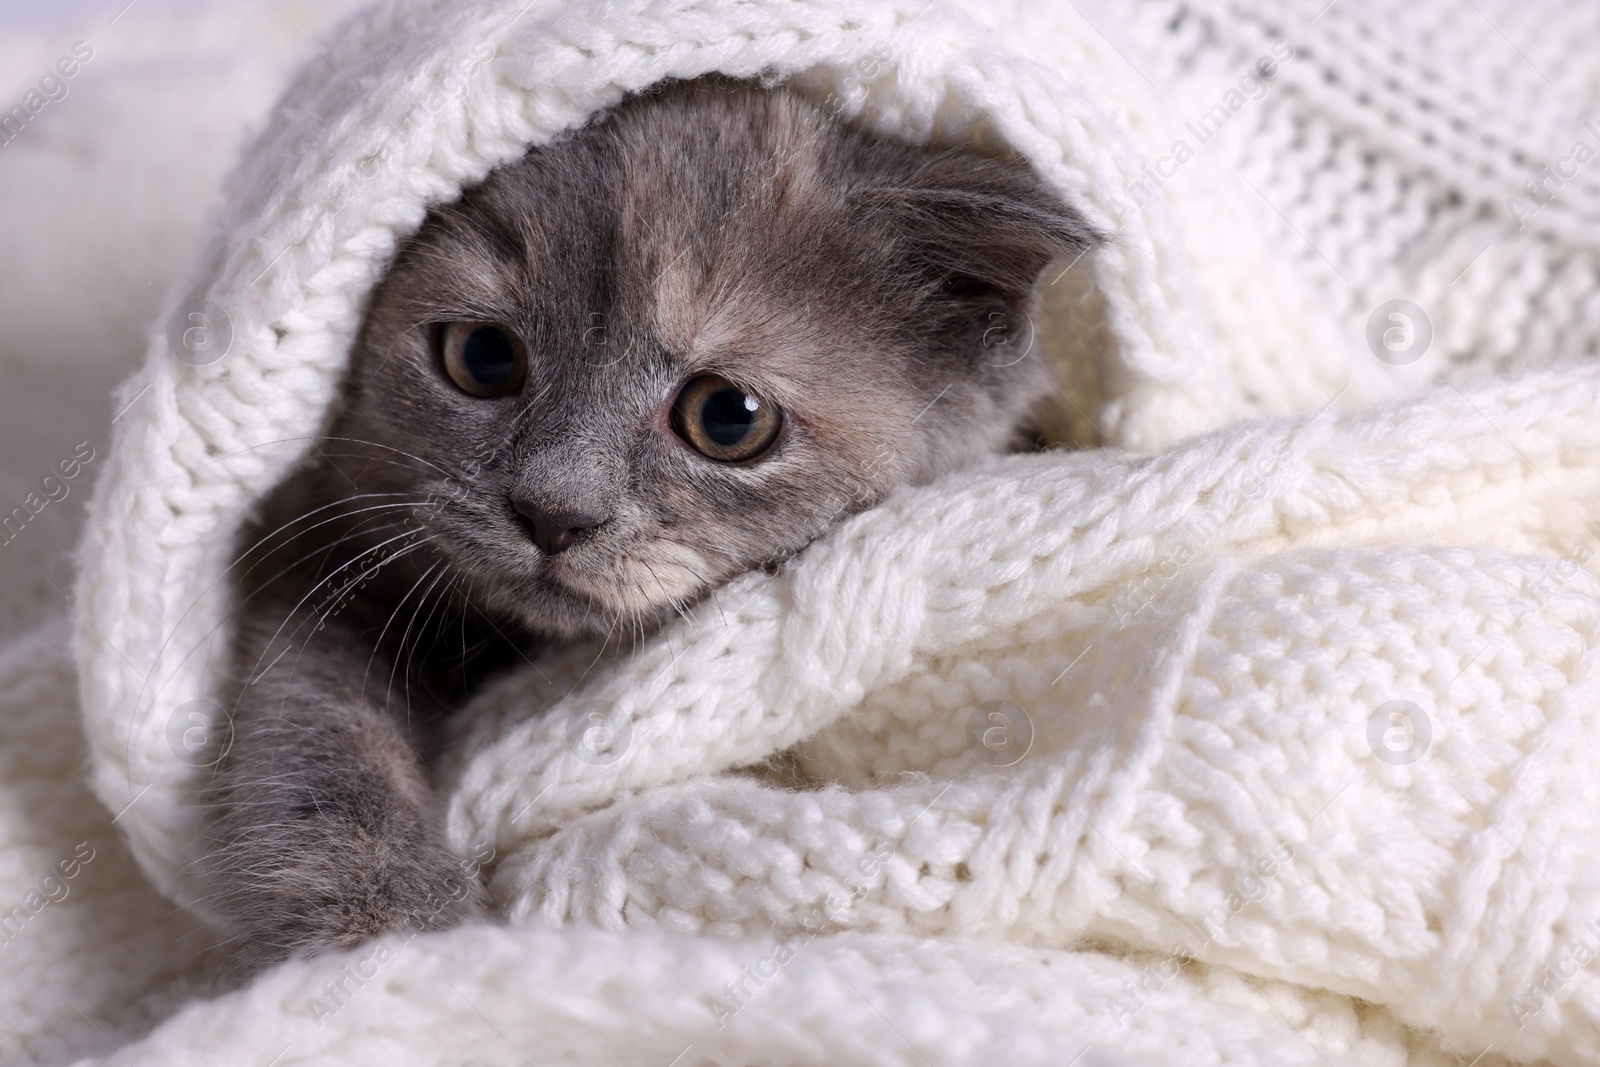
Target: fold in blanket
[[1079, 731], [1185, 705], [405, 112]]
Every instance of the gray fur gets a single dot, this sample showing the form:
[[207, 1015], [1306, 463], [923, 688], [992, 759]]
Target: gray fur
[[862, 286]]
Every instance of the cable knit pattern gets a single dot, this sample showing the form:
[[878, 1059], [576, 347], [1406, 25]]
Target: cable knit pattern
[[1174, 740], [1256, 736]]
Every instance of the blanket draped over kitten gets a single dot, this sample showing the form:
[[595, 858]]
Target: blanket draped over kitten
[[671, 347]]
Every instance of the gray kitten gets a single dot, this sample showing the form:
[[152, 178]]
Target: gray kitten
[[674, 346]]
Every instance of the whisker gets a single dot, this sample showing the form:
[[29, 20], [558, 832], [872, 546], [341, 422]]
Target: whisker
[[365, 529], [332, 605], [421, 632], [301, 518], [320, 584], [378, 644], [367, 460], [320, 548], [223, 576], [392, 448]]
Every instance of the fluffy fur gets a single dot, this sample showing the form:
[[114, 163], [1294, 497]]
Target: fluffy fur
[[876, 293]]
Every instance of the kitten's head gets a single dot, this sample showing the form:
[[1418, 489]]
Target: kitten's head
[[686, 339]]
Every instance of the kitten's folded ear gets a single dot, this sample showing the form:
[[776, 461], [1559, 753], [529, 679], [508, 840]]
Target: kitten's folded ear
[[978, 226]]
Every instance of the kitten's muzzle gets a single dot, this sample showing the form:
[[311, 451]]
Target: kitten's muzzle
[[554, 530]]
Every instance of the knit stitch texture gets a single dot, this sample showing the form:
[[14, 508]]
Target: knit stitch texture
[[1258, 734]]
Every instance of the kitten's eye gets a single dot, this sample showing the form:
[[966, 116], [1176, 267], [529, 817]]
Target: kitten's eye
[[482, 358], [723, 422]]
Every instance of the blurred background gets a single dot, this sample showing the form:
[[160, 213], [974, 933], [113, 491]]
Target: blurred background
[[104, 191]]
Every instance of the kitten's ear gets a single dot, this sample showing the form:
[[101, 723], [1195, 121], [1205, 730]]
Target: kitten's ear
[[980, 227]]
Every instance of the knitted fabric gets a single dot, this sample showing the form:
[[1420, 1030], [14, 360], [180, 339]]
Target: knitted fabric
[[330, 186], [1235, 715], [93, 970], [1223, 716]]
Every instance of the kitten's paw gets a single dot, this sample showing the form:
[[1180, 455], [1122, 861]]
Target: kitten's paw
[[347, 887]]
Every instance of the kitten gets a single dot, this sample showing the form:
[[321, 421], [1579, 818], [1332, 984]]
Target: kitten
[[674, 346]]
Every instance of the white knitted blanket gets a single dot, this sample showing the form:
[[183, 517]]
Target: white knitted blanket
[[1260, 746]]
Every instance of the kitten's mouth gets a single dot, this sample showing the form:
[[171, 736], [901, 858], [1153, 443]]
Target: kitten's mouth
[[641, 583], [601, 578]]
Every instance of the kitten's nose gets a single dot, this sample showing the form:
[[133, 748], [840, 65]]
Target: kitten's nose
[[554, 531]]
